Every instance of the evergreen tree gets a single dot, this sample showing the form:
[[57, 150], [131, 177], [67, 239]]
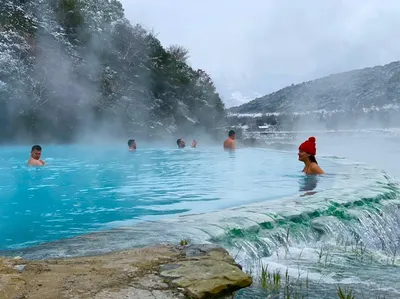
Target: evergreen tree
[[73, 65]]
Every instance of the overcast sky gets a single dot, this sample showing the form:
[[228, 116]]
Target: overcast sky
[[256, 47]]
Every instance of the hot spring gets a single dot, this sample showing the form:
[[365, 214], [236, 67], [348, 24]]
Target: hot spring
[[340, 228]]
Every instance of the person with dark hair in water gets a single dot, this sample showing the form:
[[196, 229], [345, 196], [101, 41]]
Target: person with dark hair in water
[[307, 152], [230, 142], [181, 143], [132, 144], [36, 152]]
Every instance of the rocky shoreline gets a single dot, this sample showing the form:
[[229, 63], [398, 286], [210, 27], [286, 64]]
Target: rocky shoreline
[[159, 272]]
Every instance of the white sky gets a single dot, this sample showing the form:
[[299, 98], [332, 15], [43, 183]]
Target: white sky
[[254, 47]]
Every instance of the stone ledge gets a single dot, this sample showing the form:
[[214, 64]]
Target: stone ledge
[[159, 272]]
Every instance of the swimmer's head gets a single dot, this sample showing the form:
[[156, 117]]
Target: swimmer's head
[[132, 144], [181, 143], [308, 150], [36, 152], [232, 134]]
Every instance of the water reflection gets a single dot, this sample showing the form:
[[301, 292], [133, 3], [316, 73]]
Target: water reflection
[[307, 184]]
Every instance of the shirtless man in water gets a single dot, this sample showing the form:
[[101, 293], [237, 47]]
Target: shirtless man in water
[[230, 142], [132, 144], [181, 143], [34, 160]]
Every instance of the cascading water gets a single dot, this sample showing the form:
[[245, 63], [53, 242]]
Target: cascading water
[[369, 222], [355, 244]]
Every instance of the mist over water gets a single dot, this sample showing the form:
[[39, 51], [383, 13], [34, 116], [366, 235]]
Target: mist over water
[[79, 70], [91, 91]]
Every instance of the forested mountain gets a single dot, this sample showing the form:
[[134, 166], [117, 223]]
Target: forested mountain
[[73, 67]]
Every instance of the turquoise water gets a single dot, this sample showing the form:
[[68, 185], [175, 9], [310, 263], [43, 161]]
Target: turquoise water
[[87, 188], [337, 229]]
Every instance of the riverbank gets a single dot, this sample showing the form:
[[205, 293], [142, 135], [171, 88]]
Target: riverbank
[[159, 272]]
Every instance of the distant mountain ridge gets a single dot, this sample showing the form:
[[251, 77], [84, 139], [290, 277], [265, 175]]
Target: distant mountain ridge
[[363, 98], [366, 88]]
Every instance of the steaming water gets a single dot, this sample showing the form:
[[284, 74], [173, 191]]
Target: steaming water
[[341, 228]]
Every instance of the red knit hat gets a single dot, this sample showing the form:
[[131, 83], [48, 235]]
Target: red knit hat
[[309, 146]]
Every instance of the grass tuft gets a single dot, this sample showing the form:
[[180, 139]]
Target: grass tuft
[[184, 242], [345, 293]]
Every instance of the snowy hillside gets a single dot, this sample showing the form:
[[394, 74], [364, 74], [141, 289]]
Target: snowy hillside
[[69, 67], [368, 97]]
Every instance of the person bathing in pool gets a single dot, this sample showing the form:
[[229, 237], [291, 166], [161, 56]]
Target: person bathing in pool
[[181, 143], [229, 144], [34, 160], [132, 144], [307, 152]]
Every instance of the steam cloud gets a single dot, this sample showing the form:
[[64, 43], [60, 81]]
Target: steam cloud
[[79, 71]]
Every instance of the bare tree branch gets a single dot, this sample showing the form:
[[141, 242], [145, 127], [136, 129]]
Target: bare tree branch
[[179, 52]]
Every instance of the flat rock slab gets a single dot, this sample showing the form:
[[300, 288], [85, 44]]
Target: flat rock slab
[[160, 272]]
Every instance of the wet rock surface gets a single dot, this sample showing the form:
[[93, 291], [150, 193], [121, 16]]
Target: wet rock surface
[[161, 272]]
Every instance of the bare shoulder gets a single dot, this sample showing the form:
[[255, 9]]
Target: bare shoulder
[[316, 169], [33, 162], [229, 144]]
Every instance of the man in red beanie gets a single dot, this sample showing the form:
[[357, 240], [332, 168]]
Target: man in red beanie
[[307, 152]]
